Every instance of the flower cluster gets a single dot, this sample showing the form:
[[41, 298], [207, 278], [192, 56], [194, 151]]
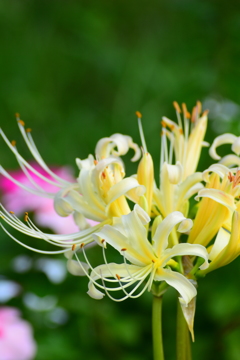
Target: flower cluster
[[169, 233]]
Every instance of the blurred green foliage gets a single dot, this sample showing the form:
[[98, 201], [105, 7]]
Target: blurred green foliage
[[77, 71]]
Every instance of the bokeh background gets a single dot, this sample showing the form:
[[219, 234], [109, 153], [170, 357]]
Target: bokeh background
[[77, 71]]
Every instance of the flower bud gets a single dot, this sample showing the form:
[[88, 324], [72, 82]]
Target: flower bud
[[145, 176]]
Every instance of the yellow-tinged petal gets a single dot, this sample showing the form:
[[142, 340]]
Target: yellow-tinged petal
[[219, 196], [160, 238], [226, 247], [218, 169], [220, 243]]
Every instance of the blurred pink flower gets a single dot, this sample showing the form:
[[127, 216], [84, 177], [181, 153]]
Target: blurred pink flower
[[16, 339], [19, 200]]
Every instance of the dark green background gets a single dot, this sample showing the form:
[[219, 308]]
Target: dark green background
[[77, 71]]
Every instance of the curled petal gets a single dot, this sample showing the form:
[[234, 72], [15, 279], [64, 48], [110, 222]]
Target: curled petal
[[185, 226], [94, 293], [185, 288], [236, 146], [160, 239], [230, 160], [219, 169], [175, 173], [220, 140], [124, 187], [143, 216], [116, 145], [193, 190], [187, 249], [61, 206], [75, 269], [86, 163], [219, 196]]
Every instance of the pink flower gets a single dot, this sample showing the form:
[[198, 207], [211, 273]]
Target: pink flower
[[16, 339], [19, 200]]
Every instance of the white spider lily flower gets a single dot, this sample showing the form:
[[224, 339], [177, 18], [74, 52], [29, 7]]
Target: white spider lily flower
[[226, 247], [142, 261], [99, 192], [219, 200], [225, 139]]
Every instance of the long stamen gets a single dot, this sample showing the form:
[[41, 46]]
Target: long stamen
[[35, 153], [162, 155], [129, 295], [25, 171], [35, 192], [178, 111], [139, 116], [20, 158], [29, 247], [81, 236], [118, 277]]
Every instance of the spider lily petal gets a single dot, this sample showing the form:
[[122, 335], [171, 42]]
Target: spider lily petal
[[106, 147], [225, 139], [226, 247]]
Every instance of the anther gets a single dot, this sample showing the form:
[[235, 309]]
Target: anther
[[11, 212], [177, 107], [194, 114], [103, 175], [163, 124], [28, 130], [17, 115], [124, 249], [139, 115], [95, 162], [74, 247], [102, 241], [199, 107], [13, 142], [21, 122], [82, 245], [118, 277], [26, 216], [153, 261], [184, 107], [181, 131]]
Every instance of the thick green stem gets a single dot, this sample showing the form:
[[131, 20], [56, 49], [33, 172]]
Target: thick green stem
[[157, 328], [183, 337]]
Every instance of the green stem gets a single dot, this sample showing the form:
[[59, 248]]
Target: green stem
[[157, 328], [183, 337]]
